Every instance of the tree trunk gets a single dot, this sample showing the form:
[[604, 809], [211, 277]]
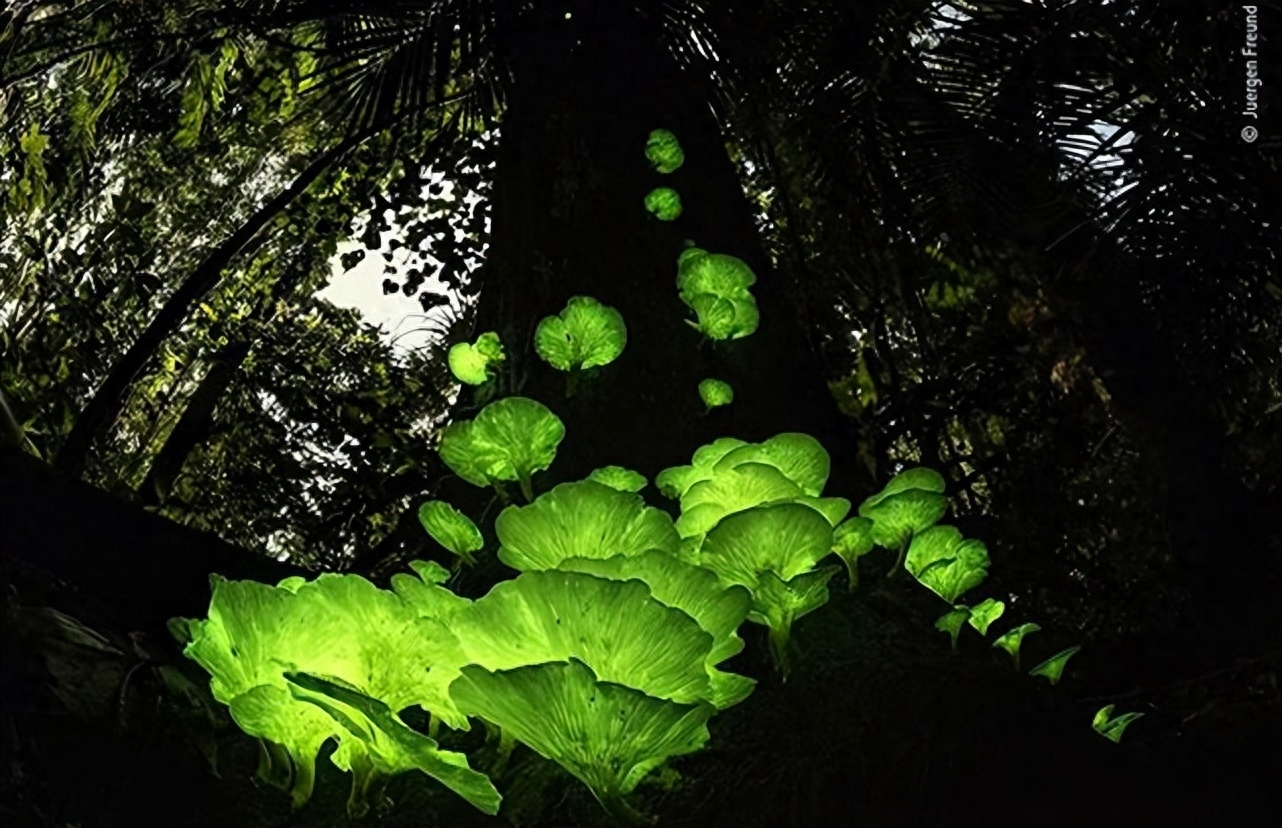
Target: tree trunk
[[104, 406], [569, 219]]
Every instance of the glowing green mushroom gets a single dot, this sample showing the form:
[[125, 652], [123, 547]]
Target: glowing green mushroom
[[800, 457], [715, 393], [851, 540], [983, 614], [584, 335], [509, 440], [1011, 640], [912, 501], [338, 625], [696, 591], [772, 550], [617, 477], [424, 593], [952, 622], [715, 286], [1052, 668], [451, 528], [1112, 728], [676, 481], [664, 203], [607, 735], [664, 151], [946, 563], [581, 520], [389, 746], [615, 627], [474, 363]]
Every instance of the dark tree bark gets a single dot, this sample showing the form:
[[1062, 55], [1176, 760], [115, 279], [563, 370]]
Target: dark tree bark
[[569, 219]]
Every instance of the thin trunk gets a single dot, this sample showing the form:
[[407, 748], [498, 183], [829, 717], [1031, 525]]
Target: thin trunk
[[194, 425], [104, 406]]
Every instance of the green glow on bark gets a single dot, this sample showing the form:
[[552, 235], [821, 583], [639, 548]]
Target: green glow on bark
[[715, 393], [664, 203], [1052, 668], [510, 439], [474, 364], [584, 335], [664, 151], [451, 528]]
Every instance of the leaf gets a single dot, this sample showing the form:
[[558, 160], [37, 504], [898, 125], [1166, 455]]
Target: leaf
[[664, 151], [952, 622], [983, 614], [1011, 640], [1052, 668], [451, 528], [584, 335], [715, 393], [946, 563], [1112, 728], [664, 203], [617, 477]]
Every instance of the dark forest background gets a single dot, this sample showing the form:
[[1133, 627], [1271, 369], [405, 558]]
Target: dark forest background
[[1023, 243]]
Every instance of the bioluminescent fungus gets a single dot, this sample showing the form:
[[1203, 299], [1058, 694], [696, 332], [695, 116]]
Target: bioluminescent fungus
[[581, 520], [912, 501], [619, 478], [607, 735], [851, 540], [983, 614], [696, 591], [664, 203], [664, 151], [510, 439], [952, 622], [615, 627], [340, 626], [715, 286], [767, 549], [389, 745], [474, 363], [424, 593], [586, 334], [1052, 668], [451, 528], [946, 563], [1011, 640], [715, 393], [1110, 727]]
